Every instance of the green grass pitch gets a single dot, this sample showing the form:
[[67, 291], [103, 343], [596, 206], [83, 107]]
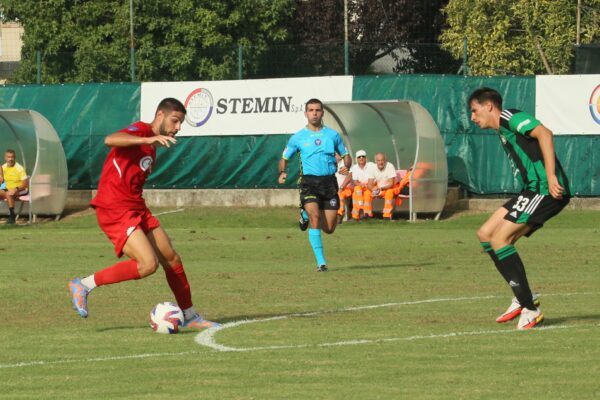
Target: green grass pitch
[[406, 312]]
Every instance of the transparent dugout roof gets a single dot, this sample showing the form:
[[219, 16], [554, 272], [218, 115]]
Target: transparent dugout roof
[[407, 134], [39, 150]]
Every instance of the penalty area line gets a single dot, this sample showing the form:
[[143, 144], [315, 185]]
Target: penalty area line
[[207, 338], [202, 341], [95, 359], [453, 334], [331, 344]]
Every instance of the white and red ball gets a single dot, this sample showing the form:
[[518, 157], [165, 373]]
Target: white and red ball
[[166, 318]]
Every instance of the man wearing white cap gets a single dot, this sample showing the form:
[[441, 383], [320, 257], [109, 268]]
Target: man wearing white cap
[[358, 175]]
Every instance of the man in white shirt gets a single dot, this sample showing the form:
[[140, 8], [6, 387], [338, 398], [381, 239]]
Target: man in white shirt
[[381, 183], [358, 175]]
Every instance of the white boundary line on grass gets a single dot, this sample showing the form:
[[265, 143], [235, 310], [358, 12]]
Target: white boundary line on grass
[[95, 359], [170, 212], [206, 338], [387, 340]]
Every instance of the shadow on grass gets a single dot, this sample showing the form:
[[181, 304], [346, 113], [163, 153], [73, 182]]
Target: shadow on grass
[[122, 328], [570, 319]]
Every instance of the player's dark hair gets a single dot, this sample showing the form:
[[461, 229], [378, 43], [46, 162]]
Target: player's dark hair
[[11, 151], [486, 94], [313, 101], [169, 105]]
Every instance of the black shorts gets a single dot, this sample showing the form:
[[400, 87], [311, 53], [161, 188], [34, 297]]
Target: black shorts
[[533, 209], [319, 189]]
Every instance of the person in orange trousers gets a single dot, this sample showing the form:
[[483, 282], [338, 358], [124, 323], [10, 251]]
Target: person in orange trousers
[[382, 183], [354, 185], [345, 186]]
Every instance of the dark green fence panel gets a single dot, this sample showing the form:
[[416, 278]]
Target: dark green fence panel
[[580, 156], [224, 162], [82, 116], [476, 159]]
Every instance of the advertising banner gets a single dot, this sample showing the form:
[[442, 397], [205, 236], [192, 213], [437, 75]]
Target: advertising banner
[[244, 107], [569, 104]]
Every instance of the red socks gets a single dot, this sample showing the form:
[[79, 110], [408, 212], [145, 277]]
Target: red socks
[[127, 270], [121, 271], [179, 286]]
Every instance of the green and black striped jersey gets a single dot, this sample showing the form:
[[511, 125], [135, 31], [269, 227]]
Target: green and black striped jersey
[[525, 151]]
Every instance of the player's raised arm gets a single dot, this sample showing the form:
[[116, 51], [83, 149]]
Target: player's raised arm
[[123, 139]]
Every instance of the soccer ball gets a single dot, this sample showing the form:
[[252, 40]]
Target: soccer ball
[[166, 318]]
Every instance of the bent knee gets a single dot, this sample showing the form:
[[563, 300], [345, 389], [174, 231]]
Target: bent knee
[[484, 235], [499, 241], [147, 267]]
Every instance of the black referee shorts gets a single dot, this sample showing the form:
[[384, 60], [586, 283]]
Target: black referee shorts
[[319, 189]]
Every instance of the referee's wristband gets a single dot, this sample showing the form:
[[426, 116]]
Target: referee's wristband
[[282, 172]]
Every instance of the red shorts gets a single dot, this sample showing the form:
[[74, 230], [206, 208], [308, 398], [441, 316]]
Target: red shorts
[[119, 224]]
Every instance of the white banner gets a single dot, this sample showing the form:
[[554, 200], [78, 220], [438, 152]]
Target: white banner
[[244, 107], [569, 104]]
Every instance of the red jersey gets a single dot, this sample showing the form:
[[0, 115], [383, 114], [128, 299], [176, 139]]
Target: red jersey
[[125, 171]]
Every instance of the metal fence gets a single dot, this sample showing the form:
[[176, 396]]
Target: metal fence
[[238, 62]]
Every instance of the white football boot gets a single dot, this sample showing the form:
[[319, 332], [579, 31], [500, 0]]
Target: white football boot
[[530, 318], [514, 310]]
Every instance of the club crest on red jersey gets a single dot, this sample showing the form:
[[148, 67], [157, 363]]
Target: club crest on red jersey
[[145, 163]]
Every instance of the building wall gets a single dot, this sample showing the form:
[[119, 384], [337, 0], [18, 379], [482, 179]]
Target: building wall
[[10, 49], [10, 41]]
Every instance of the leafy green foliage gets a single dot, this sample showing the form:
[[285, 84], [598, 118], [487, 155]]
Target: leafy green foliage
[[84, 41], [518, 37]]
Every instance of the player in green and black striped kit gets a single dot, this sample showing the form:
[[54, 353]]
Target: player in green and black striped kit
[[545, 193]]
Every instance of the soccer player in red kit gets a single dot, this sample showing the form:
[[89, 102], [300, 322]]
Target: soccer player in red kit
[[123, 216]]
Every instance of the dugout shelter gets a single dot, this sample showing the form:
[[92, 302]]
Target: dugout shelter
[[39, 150], [407, 134]]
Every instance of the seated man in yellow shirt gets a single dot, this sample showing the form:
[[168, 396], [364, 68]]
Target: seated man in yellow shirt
[[13, 182]]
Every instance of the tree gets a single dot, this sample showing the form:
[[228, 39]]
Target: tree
[[518, 36], [406, 30], [83, 41], [314, 45]]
